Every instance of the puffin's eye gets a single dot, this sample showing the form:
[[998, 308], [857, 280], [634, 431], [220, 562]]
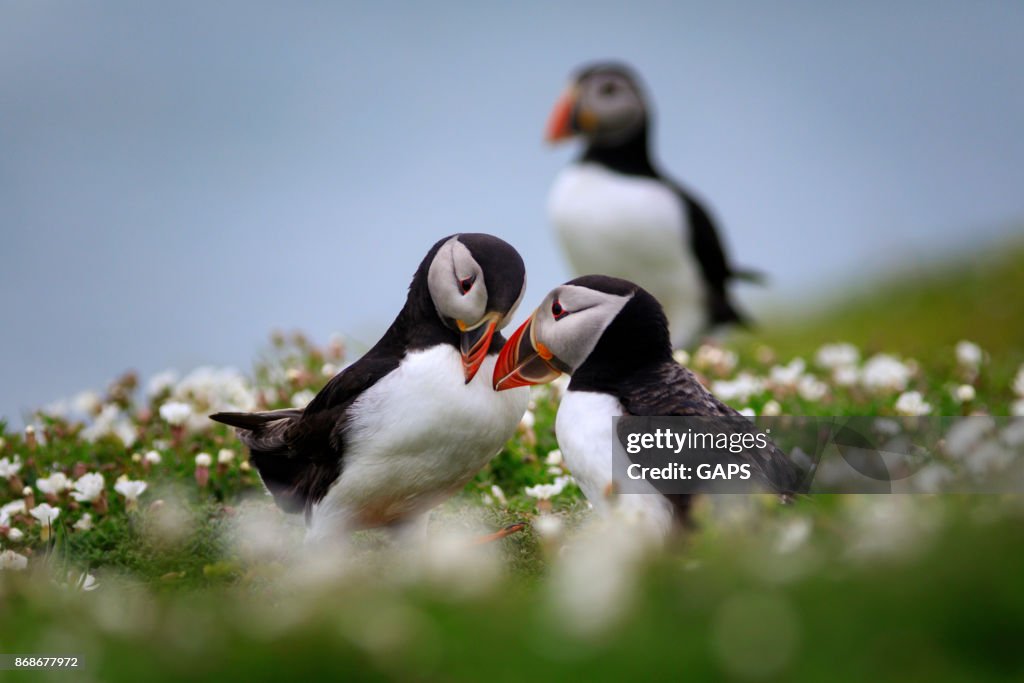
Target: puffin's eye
[[608, 88], [557, 312], [466, 284]]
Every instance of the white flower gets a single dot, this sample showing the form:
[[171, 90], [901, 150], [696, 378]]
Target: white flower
[[832, 356], [499, 495], [54, 485], [45, 513], [13, 561], [111, 421], [87, 402], [528, 420], [15, 507], [548, 526], [225, 456], [161, 382], [968, 354], [131, 490], [175, 412], [740, 388], [1018, 382], [213, 390], [152, 457], [846, 376], [88, 487], [302, 398], [771, 408], [715, 357], [204, 460], [83, 524], [548, 491], [885, 373], [554, 458], [1017, 408], [15, 535], [912, 403], [747, 412], [681, 356], [811, 388], [964, 393], [329, 370], [788, 375], [9, 468]]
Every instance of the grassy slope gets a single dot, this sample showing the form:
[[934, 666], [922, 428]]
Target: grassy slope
[[944, 610]]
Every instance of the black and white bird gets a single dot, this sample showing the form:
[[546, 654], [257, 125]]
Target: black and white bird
[[612, 337], [616, 213], [404, 427]]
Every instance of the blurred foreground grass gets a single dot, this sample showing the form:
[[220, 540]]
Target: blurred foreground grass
[[203, 580]]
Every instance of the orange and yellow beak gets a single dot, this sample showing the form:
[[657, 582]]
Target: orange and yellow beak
[[569, 118], [524, 361], [474, 343]]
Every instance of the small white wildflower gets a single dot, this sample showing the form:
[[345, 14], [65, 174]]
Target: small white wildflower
[[793, 535], [84, 523], [88, 487], [1017, 408], [9, 467], [54, 485], [10, 560], [887, 427], [845, 376], [15, 535], [964, 393], [1018, 382], [912, 403], [152, 457], [175, 413], [886, 373], [681, 356], [771, 408], [968, 354], [499, 495], [787, 375], [811, 388], [739, 388], [225, 456], [86, 402], [204, 460], [46, 516], [547, 491], [15, 507], [528, 420], [302, 398], [161, 382], [86, 582], [554, 458], [716, 358], [131, 490], [748, 412], [548, 527], [832, 356], [329, 370]]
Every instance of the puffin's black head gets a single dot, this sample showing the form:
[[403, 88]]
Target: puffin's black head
[[604, 103], [591, 325], [476, 282]]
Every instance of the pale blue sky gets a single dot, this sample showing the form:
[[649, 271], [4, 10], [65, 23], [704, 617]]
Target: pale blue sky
[[177, 179]]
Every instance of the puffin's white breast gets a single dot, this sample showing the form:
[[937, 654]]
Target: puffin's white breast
[[415, 438], [634, 228], [584, 429]]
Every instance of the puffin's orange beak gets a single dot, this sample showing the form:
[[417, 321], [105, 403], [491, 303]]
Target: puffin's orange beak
[[523, 361], [560, 121], [474, 343]]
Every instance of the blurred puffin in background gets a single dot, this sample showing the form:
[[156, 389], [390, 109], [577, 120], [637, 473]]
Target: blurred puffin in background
[[612, 337], [616, 213], [406, 426]]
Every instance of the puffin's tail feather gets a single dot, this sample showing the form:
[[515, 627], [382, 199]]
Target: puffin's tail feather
[[254, 421]]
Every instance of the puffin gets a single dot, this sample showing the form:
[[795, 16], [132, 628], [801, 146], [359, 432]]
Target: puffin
[[615, 212], [612, 337], [408, 424]]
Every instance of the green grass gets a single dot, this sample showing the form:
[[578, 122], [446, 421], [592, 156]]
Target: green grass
[[874, 588]]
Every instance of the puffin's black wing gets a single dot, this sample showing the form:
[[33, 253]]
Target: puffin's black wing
[[707, 247], [300, 453], [674, 391]]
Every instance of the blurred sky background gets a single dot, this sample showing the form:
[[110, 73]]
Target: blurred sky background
[[178, 179]]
